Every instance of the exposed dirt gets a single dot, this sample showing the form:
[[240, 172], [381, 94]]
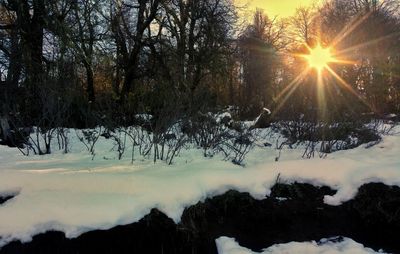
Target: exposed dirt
[[5, 198], [372, 218]]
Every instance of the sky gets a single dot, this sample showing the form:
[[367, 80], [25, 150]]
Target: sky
[[280, 8]]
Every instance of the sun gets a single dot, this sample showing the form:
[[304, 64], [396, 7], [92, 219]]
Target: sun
[[319, 57]]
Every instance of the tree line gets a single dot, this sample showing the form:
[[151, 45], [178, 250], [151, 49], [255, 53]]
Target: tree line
[[80, 63]]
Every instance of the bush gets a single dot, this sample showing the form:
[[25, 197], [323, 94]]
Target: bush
[[323, 138]]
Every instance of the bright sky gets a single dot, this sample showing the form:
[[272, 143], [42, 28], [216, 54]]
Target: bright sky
[[281, 8]]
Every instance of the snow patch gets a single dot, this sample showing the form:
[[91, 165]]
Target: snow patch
[[227, 245]]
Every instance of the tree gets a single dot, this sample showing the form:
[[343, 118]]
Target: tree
[[303, 25], [30, 24], [11, 57], [199, 35], [258, 46], [84, 37], [129, 24], [352, 27]]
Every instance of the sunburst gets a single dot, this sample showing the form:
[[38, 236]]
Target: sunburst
[[321, 58]]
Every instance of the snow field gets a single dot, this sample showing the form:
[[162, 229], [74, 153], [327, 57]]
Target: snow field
[[75, 194]]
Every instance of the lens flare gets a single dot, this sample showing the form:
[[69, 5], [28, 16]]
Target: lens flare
[[325, 63], [319, 57]]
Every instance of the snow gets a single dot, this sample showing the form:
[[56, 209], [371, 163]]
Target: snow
[[267, 110], [145, 117], [75, 194], [227, 245], [220, 117]]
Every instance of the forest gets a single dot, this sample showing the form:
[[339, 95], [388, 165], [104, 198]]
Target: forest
[[81, 64], [199, 126]]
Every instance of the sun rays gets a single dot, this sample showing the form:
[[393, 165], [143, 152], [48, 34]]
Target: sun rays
[[324, 61]]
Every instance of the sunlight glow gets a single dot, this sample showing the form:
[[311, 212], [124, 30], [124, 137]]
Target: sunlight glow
[[284, 95], [319, 57]]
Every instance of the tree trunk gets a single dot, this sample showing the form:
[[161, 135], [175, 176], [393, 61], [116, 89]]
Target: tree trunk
[[130, 72], [128, 81], [32, 31], [90, 83], [14, 66], [4, 129], [35, 42]]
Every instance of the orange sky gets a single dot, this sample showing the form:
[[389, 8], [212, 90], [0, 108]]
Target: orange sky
[[280, 8]]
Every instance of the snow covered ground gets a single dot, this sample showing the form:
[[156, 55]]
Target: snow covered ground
[[325, 246], [75, 194]]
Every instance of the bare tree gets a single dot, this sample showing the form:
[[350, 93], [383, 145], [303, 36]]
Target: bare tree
[[199, 35], [259, 47], [129, 24], [303, 25]]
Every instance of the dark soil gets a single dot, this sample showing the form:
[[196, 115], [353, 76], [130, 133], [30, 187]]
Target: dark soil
[[5, 198], [372, 218]]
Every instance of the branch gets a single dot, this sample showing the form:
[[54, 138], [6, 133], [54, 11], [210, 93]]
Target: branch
[[6, 27]]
